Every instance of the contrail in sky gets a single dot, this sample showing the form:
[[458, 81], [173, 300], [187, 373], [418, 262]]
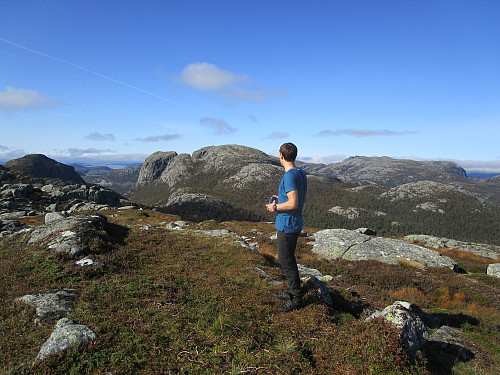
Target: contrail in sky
[[91, 72]]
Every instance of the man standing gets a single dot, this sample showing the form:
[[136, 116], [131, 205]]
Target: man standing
[[289, 223]]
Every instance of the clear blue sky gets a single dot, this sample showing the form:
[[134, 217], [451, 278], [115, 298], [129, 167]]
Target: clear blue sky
[[118, 80]]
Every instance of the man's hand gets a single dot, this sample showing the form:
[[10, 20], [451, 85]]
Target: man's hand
[[270, 206]]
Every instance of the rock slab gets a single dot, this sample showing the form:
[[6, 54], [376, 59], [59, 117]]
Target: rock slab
[[351, 245]]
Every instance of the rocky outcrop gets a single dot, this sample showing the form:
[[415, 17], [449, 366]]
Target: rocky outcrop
[[252, 173], [51, 305], [171, 168], [353, 212], [419, 190], [72, 235], [153, 166], [41, 166], [23, 200], [190, 185], [484, 250], [351, 245]]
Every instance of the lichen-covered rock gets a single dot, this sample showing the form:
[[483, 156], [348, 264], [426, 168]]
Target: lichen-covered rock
[[351, 245], [66, 335], [494, 269], [71, 235], [334, 243], [413, 331], [392, 251], [8, 226], [53, 216], [51, 305], [484, 250], [306, 272]]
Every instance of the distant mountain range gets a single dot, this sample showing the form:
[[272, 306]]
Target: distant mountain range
[[233, 182], [119, 180], [393, 196]]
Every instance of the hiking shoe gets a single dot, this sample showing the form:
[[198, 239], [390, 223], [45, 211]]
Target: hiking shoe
[[290, 305], [285, 296]]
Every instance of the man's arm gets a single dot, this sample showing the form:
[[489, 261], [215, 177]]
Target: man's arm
[[291, 204]]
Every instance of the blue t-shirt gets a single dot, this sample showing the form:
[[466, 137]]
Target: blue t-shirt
[[292, 221]]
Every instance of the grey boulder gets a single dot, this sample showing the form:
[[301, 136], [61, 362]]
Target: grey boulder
[[413, 331], [66, 335]]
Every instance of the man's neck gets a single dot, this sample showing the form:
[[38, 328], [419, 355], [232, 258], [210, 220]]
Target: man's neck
[[288, 165]]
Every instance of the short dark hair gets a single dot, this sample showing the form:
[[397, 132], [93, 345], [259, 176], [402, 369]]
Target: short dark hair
[[289, 151]]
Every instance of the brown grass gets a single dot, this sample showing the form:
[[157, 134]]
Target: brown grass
[[410, 263]]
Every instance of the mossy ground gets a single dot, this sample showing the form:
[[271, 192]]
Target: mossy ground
[[184, 303]]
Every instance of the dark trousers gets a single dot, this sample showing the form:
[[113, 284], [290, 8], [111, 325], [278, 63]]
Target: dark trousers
[[287, 243]]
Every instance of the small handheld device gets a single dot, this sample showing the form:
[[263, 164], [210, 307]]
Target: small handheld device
[[273, 199]]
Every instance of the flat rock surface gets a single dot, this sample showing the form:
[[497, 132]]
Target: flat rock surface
[[485, 250], [351, 245]]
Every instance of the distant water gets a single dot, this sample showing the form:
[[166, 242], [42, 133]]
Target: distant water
[[481, 175]]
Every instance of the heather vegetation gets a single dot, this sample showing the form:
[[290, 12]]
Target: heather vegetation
[[183, 302]]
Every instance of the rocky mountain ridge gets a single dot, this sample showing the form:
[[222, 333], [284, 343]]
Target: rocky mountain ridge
[[232, 181], [391, 172], [40, 165]]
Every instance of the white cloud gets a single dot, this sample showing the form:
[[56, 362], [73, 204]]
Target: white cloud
[[364, 132], [254, 94], [204, 76], [21, 99], [471, 166], [100, 137], [77, 152], [225, 84], [14, 154], [323, 159], [3, 148], [278, 135], [220, 126], [158, 138], [112, 160]]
